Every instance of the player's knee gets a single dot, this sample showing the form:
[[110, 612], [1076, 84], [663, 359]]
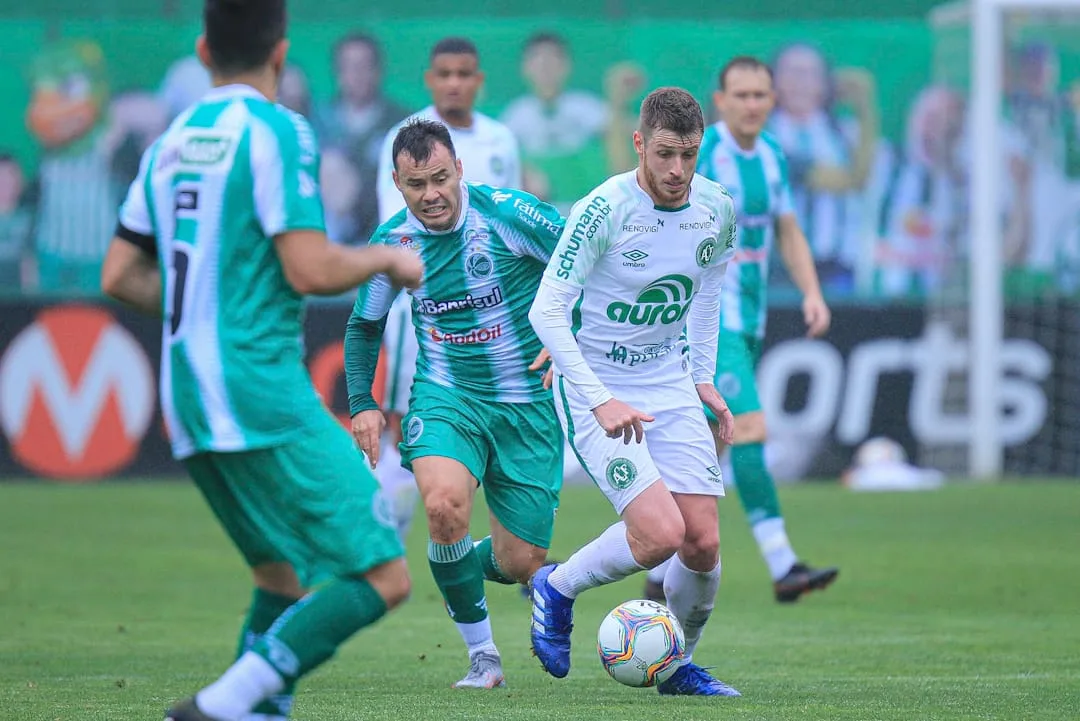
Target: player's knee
[[447, 515], [660, 540], [701, 549], [391, 581], [278, 578]]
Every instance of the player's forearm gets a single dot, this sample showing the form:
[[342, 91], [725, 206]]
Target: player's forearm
[[342, 269], [363, 339], [548, 318], [797, 258]]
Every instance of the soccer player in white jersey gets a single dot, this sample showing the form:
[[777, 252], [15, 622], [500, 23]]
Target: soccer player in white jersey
[[489, 154], [751, 166], [222, 234], [641, 260]]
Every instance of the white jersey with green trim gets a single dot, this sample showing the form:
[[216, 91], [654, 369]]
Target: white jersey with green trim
[[757, 180], [629, 273]]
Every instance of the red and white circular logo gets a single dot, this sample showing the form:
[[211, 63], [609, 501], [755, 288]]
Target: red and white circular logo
[[77, 394]]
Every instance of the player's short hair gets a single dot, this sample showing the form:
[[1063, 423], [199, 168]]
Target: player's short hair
[[7, 157], [358, 38], [743, 62], [546, 37], [418, 138], [454, 46], [672, 109], [241, 34]]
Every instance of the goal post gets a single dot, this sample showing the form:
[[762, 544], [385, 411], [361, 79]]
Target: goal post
[[987, 306]]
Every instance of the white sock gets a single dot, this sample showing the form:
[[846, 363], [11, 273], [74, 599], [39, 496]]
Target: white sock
[[691, 596], [604, 560], [656, 574], [775, 547], [477, 636], [247, 682]]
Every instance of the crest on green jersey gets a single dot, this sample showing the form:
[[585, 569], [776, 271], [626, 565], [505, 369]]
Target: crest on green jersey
[[621, 473], [479, 265], [706, 250]]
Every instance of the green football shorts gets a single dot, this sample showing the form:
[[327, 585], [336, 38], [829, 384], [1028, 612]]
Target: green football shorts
[[513, 449], [311, 502], [737, 356]]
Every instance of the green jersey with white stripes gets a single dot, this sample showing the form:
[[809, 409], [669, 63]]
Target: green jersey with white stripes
[[228, 175], [471, 313], [758, 182]]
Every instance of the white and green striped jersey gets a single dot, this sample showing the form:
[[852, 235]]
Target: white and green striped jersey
[[228, 175], [757, 180], [471, 312]]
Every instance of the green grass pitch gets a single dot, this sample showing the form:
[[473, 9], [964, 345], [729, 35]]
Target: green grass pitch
[[957, 604]]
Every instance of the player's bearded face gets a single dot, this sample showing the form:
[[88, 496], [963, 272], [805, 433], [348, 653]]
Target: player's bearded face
[[431, 188], [666, 165]]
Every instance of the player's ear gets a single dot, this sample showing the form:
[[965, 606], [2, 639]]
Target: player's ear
[[460, 172], [428, 77], [718, 101], [277, 57], [202, 51], [480, 77], [397, 182], [639, 143]]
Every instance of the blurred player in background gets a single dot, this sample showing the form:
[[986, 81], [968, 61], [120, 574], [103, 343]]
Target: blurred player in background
[[224, 222], [489, 155], [478, 413], [640, 263], [751, 166]]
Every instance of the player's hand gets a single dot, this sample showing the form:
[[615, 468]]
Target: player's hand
[[367, 428], [715, 402], [817, 315], [405, 268], [618, 419], [544, 359]]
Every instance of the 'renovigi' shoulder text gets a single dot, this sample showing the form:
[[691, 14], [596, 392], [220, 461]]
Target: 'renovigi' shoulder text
[[586, 227]]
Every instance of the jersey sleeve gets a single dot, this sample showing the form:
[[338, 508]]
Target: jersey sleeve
[[363, 338], [703, 323], [390, 200], [584, 241], [136, 221], [534, 226], [285, 169]]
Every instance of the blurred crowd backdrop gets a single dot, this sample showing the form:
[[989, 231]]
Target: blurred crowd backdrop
[[872, 113]]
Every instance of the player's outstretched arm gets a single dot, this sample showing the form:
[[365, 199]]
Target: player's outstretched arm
[[799, 261], [363, 339], [315, 266]]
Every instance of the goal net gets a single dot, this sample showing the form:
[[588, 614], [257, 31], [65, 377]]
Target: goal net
[[1008, 281]]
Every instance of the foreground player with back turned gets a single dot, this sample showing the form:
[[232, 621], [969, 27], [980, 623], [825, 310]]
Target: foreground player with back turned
[[641, 260], [224, 226], [749, 163], [478, 413]]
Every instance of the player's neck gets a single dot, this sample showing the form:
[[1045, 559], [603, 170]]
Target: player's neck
[[745, 142], [263, 81], [462, 119], [642, 183]]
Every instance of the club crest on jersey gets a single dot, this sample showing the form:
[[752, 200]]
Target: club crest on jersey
[[479, 265], [497, 165], [706, 251], [621, 473], [666, 300]]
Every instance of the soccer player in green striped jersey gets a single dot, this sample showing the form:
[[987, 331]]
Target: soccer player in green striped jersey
[[749, 163], [221, 234], [478, 411]]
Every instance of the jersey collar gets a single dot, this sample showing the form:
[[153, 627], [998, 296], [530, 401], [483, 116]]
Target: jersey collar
[[235, 90], [462, 213]]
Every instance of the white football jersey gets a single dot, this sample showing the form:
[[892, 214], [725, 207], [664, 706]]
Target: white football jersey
[[636, 269]]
